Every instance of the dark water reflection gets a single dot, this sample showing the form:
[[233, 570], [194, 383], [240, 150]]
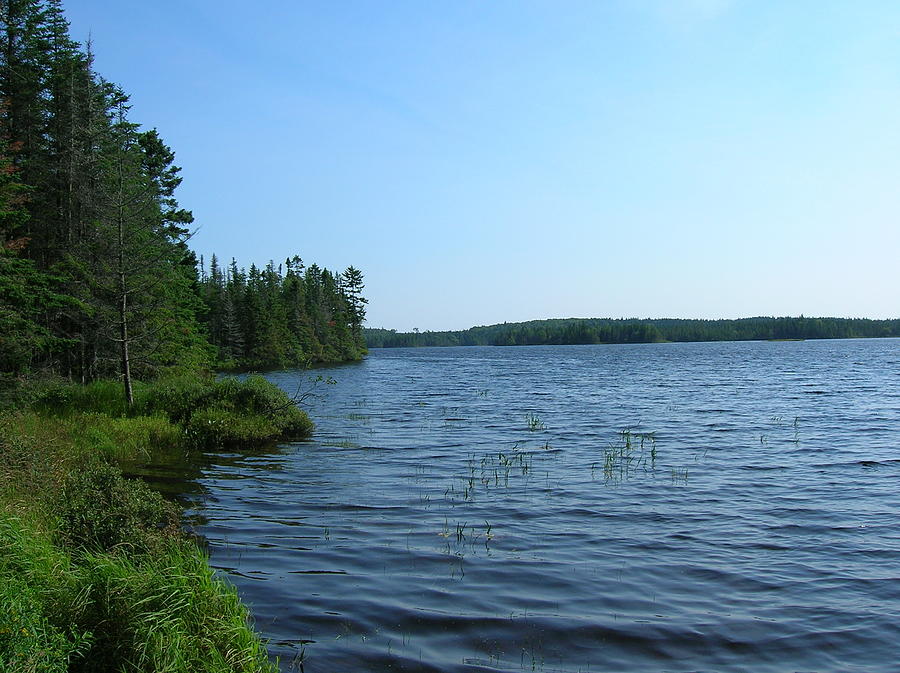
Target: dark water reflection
[[480, 509]]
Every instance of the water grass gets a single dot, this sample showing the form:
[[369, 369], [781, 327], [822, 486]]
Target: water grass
[[534, 423], [632, 452]]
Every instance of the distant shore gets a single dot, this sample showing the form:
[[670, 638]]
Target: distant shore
[[578, 331]]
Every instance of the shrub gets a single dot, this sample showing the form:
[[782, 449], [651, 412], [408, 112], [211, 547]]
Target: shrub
[[209, 428], [227, 412], [176, 397], [100, 510]]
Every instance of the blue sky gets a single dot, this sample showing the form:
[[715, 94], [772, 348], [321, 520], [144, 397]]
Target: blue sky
[[483, 162]]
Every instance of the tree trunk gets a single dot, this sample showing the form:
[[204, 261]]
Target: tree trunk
[[123, 306], [123, 335]]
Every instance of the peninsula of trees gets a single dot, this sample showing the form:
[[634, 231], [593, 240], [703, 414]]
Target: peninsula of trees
[[96, 276], [632, 330]]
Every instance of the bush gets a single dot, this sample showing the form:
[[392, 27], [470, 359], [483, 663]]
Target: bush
[[100, 510], [227, 412], [176, 397], [209, 428]]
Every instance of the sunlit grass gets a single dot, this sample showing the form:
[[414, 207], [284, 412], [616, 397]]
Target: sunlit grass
[[95, 572]]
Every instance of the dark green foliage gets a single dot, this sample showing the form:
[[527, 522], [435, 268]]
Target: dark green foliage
[[26, 294], [288, 316], [96, 279], [608, 330], [94, 220], [102, 511], [26, 297], [227, 412]]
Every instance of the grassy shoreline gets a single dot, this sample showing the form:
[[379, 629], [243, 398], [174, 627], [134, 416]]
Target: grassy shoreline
[[96, 572]]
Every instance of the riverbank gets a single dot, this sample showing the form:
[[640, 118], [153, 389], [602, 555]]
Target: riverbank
[[96, 573]]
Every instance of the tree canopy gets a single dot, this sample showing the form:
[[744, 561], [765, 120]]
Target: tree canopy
[[96, 275]]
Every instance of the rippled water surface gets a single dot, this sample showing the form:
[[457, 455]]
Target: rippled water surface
[[660, 507]]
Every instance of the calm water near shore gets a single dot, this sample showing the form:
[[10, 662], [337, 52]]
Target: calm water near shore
[[658, 507]]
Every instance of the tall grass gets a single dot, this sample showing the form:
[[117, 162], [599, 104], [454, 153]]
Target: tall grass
[[98, 612], [96, 575]]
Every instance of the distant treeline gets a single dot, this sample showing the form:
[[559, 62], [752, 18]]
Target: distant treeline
[[284, 316], [630, 330]]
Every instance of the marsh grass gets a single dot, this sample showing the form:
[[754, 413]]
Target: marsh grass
[[102, 611], [96, 574], [534, 423], [633, 452]]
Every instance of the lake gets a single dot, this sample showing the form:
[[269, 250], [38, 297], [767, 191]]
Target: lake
[[653, 507]]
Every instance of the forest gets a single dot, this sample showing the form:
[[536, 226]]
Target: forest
[[112, 337], [624, 330], [97, 278]]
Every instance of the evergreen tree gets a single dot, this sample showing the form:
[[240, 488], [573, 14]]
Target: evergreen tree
[[96, 278]]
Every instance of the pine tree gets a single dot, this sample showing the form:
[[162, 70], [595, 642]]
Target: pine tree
[[139, 280], [352, 284]]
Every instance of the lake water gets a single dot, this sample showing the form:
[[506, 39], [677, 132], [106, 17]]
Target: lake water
[[658, 507]]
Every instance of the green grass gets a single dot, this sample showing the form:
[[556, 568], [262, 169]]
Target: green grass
[[196, 411], [96, 575], [99, 611]]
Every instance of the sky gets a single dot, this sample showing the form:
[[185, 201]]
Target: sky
[[486, 162]]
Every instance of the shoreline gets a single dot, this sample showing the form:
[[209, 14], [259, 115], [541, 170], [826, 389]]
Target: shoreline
[[98, 570]]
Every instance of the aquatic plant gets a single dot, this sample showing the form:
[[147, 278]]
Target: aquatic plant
[[634, 451], [534, 423], [679, 475]]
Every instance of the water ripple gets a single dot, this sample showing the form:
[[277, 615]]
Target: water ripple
[[664, 507]]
